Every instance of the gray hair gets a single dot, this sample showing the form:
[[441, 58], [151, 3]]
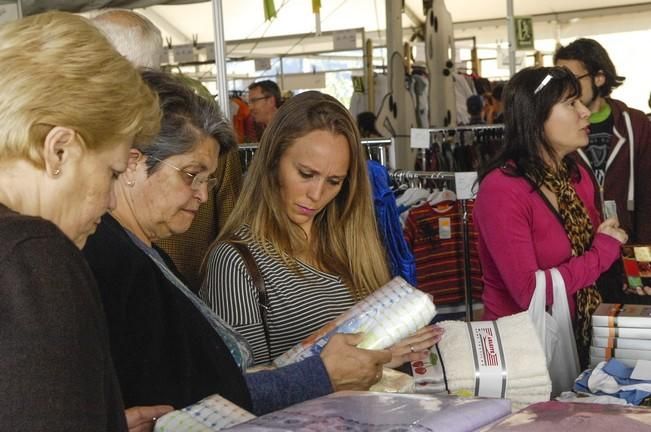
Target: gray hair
[[187, 117], [132, 35]]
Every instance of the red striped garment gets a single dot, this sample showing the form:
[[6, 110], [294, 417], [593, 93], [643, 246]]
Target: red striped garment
[[439, 262]]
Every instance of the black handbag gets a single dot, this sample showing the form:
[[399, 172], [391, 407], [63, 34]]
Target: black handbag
[[258, 281]]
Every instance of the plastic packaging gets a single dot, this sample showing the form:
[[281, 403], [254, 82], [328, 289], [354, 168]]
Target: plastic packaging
[[390, 314]]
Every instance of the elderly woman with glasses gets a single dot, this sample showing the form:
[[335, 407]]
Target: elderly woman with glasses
[[536, 208], [168, 347]]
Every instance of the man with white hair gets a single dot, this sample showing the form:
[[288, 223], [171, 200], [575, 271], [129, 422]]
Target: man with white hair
[[133, 35], [140, 41]]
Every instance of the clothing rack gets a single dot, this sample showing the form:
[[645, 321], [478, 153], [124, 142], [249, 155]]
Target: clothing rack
[[467, 128], [401, 175], [482, 135], [376, 149]]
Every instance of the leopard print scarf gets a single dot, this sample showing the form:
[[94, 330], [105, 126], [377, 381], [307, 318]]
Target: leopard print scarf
[[579, 230]]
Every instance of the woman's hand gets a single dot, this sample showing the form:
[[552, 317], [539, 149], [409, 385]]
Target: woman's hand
[[352, 368], [142, 418], [414, 347], [611, 227]]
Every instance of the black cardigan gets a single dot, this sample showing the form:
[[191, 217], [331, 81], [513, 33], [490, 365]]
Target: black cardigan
[[164, 350], [55, 366]]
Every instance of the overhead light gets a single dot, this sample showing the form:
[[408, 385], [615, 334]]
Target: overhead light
[[574, 20]]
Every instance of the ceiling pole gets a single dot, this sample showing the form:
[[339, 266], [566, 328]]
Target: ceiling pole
[[400, 149], [220, 58], [510, 27]]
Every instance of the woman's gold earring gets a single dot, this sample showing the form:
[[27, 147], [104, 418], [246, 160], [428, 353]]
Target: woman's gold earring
[[56, 172], [131, 183]]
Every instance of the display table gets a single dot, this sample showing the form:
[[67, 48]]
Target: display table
[[368, 411], [564, 416]]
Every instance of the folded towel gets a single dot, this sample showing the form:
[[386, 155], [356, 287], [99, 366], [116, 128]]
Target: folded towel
[[533, 382], [524, 358]]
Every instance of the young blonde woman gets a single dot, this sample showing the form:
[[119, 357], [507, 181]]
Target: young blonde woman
[[306, 216]]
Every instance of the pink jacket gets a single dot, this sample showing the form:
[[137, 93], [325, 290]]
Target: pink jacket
[[520, 233]]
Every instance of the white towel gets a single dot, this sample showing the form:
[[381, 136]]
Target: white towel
[[523, 355]]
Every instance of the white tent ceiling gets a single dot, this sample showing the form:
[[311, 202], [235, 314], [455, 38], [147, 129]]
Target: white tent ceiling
[[244, 19]]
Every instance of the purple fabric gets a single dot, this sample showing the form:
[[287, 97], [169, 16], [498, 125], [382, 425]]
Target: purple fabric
[[563, 416], [519, 233], [367, 411]]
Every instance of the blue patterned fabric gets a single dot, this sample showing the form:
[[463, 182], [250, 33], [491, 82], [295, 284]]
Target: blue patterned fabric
[[401, 259]]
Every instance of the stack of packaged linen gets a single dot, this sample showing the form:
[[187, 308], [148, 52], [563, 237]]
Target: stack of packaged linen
[[622, 332]]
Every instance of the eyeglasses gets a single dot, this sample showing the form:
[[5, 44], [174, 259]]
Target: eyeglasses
[[259, 98], [194, 180], [578, 77]]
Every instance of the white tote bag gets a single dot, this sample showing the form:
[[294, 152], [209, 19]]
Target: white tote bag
[[555, 332]]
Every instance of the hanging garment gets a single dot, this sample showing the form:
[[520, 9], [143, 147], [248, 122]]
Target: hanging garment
[[401, 259], [435, 236], [420, 91], [243, 121], [464, 87], [359, 100]]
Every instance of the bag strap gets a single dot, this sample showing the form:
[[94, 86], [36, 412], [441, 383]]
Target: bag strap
[[263, 298]]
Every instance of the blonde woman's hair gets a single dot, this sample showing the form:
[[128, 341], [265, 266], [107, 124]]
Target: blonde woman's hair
[[345, 239], [57, 69]]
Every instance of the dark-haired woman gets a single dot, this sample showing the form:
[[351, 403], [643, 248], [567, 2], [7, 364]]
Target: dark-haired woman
[[536, 209]]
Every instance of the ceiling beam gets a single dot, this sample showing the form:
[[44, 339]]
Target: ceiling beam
[[561, 16], [166, 26]]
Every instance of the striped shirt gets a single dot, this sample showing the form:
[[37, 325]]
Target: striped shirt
[[440, 261], [299, 304]]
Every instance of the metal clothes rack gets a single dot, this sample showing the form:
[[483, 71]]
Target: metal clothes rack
[[376, 149], [467, 128], [247, 151], [402, 175], [438, 134]]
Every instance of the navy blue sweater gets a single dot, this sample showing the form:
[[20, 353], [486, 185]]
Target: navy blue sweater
[[164, 350]]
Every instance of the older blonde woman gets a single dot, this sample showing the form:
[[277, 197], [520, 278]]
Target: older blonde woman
[[70, 109]]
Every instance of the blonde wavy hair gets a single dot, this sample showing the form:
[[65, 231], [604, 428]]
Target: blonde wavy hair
[[57, 69], [345, 241]]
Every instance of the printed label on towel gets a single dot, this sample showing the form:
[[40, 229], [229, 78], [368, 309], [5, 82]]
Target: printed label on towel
[[490, 368], [445, 228]]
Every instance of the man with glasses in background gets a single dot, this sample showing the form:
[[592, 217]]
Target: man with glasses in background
[[618, 154], [264, 101]]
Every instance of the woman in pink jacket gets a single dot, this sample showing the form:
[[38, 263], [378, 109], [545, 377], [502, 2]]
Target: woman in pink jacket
[[536, 209]]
